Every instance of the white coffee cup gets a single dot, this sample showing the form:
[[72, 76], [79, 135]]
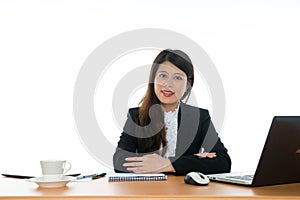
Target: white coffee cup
[[54, 169]]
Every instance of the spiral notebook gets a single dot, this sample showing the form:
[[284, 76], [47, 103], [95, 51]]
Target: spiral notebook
[[136, 177]]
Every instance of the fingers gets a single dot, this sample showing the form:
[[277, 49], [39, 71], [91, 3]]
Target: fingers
[[137, 159], [142, 170], [142, 158], [144, 164], [137, 170], [211, 155], [206, 155], [135, 164], [132, 164], [135, 167]]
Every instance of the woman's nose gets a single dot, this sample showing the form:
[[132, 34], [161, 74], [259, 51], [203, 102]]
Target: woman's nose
[[168, 83]]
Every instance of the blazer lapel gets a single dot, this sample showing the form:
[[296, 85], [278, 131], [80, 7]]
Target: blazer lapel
[[188, 122]]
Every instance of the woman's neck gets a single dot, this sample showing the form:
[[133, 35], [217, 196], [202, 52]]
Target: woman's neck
[[170, 107]]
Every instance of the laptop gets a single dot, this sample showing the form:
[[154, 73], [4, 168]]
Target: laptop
[[280, 159]]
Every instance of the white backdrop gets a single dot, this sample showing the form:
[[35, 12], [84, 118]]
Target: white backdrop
[[254, 45]]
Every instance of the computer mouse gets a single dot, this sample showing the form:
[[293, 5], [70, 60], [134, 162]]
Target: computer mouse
[[196, 178]]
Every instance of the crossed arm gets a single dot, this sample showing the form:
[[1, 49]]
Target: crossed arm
[[216, 161]]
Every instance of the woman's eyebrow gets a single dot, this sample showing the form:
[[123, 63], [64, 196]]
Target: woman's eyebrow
[[162, 71], [179, 74], [176, 73]]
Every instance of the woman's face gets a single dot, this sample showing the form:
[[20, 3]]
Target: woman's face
[[170, 83]]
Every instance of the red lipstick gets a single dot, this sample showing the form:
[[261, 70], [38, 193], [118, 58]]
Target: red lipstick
[[167, 93]]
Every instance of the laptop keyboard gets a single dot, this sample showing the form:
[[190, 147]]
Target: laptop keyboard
[[243, 177]]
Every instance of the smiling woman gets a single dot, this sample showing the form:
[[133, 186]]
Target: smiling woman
[[166, 135], [170, 85]]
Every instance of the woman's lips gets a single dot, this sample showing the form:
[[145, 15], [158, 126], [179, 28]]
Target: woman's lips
[[167, 93]]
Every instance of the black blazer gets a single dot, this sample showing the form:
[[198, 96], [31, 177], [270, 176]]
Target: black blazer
[[195, 130]]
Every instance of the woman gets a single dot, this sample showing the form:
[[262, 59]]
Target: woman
[[166, 135]]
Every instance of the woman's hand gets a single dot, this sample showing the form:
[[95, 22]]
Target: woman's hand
[[151, 163], [206, 155]]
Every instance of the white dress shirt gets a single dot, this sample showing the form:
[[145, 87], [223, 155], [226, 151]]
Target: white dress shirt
[[171, 123]]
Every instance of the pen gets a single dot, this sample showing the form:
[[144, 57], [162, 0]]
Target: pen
[[98, 176], [93, 176]]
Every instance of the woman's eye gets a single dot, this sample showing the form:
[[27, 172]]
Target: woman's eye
[[178, 78], [162, 75]]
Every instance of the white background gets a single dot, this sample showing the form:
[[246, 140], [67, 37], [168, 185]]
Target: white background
[[254, 45]]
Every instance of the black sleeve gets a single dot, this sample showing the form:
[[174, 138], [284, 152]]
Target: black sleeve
[[127, 145], [212, 143], [189, 163], [126, 148]]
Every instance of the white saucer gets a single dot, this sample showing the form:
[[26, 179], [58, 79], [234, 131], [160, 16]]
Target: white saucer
[[43, 183]]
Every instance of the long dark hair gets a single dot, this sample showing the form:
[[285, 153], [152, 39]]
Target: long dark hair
[[183, 62]]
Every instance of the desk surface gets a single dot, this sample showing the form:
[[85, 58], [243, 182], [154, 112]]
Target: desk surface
[[173, 188]]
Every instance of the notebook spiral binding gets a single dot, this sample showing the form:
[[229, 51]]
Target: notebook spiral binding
[[137, 178]]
